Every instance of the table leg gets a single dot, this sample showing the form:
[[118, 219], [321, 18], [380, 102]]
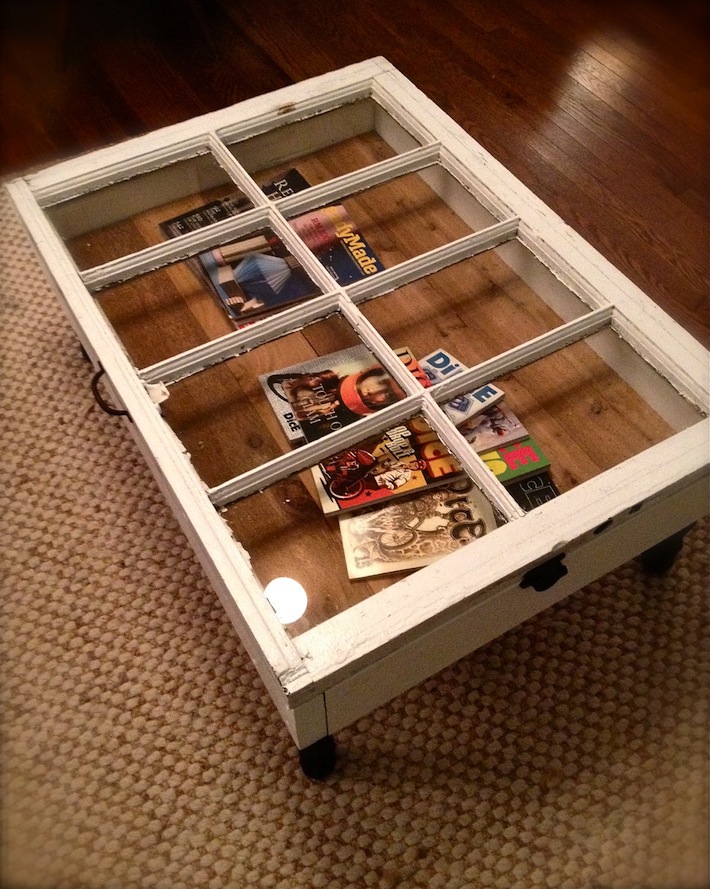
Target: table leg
[[318, 759], [661, 557]]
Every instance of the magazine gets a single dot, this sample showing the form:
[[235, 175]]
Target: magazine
[[440, 365], [406, 458], [231, 205], [345, 362], [331, 396], [495, 426], [513, 462], [211, 266], [534, 490], [415, 531]]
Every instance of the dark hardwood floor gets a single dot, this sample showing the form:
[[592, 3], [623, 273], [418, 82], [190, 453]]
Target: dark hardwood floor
[[601, 108]]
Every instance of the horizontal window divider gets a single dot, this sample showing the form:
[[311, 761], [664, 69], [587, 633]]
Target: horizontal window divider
[[520, 356], [359, 180], [176, 249], [433, 260], [308, 455], [192, 361], [295, 111], [472, 464], [96, 178]]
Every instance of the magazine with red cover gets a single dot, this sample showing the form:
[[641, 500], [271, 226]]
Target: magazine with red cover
[[405, 459]]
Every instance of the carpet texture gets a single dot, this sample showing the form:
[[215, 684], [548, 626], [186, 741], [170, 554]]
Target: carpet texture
[[140, 749]]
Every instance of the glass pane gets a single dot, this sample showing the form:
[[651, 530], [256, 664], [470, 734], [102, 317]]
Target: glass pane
[[327, 145], [577, 417], [340, 560], [175, 308], [135, 213], [249, 409], [466, 313]]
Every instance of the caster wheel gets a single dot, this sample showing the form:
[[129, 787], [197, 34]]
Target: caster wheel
[[318, 760]]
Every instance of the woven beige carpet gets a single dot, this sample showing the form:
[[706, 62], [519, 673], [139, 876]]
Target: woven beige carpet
[[140, 749]]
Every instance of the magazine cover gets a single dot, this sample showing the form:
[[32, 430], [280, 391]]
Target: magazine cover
[[404, 459], [332, 396], [513, 462], [495, 426], [534, 490], [440, 365], [415, 531], [347, 362], [275, 266], [256, 275]]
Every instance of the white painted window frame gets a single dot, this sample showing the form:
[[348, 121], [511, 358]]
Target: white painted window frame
[[336, 672]]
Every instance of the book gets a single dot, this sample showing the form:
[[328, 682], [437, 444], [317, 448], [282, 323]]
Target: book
[[404, 459], [346, 362], [513, 462], [534, 490], [493, 427], [412, 532], [440, 365]]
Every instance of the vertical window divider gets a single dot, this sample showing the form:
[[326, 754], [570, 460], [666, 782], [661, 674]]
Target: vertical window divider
[[472, 464], [236, 171]]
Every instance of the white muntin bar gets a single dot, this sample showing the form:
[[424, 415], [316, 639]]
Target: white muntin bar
[[236, 171], [433, 260], [470, 462], [176, 249], [359, 180], [171, 370], [310, 454], [520, 356]]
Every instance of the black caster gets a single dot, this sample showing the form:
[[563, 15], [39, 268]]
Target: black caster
[[660, 558], [318, 759]]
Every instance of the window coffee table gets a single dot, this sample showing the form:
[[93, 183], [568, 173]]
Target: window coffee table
[[471, 263]]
